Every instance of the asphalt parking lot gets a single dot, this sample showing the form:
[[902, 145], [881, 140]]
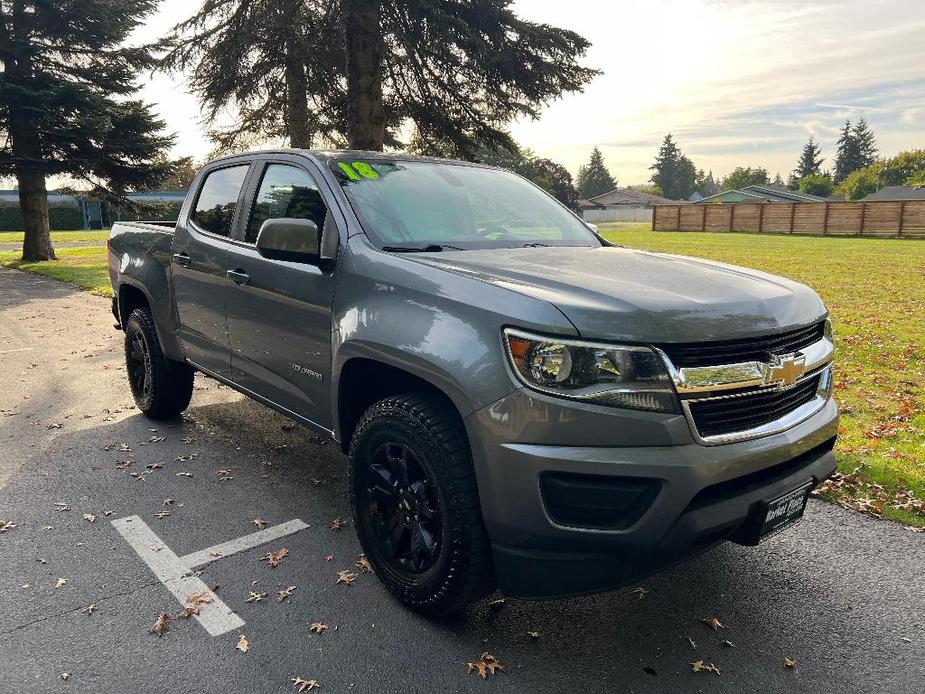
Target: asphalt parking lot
[[840, 594]]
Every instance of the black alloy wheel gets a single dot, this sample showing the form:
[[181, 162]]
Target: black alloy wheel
[[416, 503], [402, 508], [138, 363]]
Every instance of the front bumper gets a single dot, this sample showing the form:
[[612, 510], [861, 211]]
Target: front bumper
[[704, 493]]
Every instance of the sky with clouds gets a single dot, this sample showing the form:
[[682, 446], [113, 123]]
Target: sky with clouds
[[738, 82]]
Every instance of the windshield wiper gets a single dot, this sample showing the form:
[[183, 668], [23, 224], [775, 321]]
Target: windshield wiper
[[535, 245], [429, 248]]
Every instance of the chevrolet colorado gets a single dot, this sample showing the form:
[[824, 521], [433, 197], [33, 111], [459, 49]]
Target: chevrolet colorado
[[524, 405]]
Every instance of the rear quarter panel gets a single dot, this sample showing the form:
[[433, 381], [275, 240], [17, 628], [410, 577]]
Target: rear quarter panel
[[139, 256]]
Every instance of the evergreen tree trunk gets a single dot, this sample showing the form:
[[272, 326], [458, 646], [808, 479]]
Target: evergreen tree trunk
[[33, 201], [363, 43], [297, 118], [27, 149]]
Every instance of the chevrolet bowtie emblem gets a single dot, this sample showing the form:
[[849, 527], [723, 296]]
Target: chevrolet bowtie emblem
[[785, 370]]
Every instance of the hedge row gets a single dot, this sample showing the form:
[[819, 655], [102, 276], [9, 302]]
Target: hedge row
[[58, 218]]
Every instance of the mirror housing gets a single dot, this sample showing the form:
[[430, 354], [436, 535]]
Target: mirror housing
[[284, 238]]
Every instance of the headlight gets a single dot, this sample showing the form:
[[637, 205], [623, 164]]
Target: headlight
[[614, 375]]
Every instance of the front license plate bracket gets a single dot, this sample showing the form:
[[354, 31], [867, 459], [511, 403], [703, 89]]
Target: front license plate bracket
[[767, 518]]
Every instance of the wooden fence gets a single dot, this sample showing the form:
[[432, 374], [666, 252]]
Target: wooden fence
[[881, 219]]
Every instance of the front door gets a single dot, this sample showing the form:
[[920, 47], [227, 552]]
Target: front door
[[200, 259], [279, 317]]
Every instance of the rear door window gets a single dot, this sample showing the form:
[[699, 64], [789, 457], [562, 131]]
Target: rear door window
[[218, 199]]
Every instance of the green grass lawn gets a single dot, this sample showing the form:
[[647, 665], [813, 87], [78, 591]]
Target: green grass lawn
[[74, 235], [82, 267], [875, 290]]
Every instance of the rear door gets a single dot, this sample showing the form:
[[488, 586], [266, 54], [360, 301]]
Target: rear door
[[199, 263], [279, 317]]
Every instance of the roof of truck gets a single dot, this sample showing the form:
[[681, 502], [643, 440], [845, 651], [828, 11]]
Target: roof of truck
[[328, 154]]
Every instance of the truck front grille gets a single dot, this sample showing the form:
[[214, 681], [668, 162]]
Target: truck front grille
[[739, 413], [691, 354]]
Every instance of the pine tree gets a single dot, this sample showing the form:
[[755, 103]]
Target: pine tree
[[810, 161], [673, 172], [65, 106], [847, 153], [865, 142], [357, 72], [594, 178], [778, 181]]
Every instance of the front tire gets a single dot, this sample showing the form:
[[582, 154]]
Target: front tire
[[416, 504], [162, 388]]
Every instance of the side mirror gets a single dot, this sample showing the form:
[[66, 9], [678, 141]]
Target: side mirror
[[296, 240]]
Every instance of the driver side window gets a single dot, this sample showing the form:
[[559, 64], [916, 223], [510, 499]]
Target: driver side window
[[285, 191]]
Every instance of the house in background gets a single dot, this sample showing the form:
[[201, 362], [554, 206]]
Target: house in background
[[620, 205], [760, 193], [897, 194]]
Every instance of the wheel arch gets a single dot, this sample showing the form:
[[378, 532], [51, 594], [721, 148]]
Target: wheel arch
[[363, 380]]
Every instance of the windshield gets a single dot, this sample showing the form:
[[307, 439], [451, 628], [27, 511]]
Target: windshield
[[418, 205]]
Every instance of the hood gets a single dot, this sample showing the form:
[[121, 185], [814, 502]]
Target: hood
[[614, 293]]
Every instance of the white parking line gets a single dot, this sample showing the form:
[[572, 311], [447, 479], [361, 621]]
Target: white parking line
[[176, 572], [205, 556]]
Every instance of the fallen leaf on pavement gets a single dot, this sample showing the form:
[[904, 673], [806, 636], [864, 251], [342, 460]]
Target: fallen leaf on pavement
[[534, 634], [641, 592], [345, 577], [167, 501], [215, 554], [284, 593], [89, 517], [260, 523], [160, 625], [317, 627], [328, 557], [276, 558], [700, 666], [90, 609], [6, 525], [496, 604], [729, 643], [362, 563], [338, 524], [65, 676], [256, 597], [790, 662], [194, 601], [487, 664], [60, 582], [243, 644], [305, 685], [691, 642], [713, 623], [162, 514]]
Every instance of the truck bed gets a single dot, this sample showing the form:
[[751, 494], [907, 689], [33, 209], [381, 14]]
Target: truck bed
[[156, 225]]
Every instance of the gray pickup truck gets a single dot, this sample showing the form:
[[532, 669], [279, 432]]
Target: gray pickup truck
[[524, 405]]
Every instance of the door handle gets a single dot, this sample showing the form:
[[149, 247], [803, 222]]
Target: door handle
[[182, 258], [238, 276]]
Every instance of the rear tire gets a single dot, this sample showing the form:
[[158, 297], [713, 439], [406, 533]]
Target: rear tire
[[416, 504], [162, 388]]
